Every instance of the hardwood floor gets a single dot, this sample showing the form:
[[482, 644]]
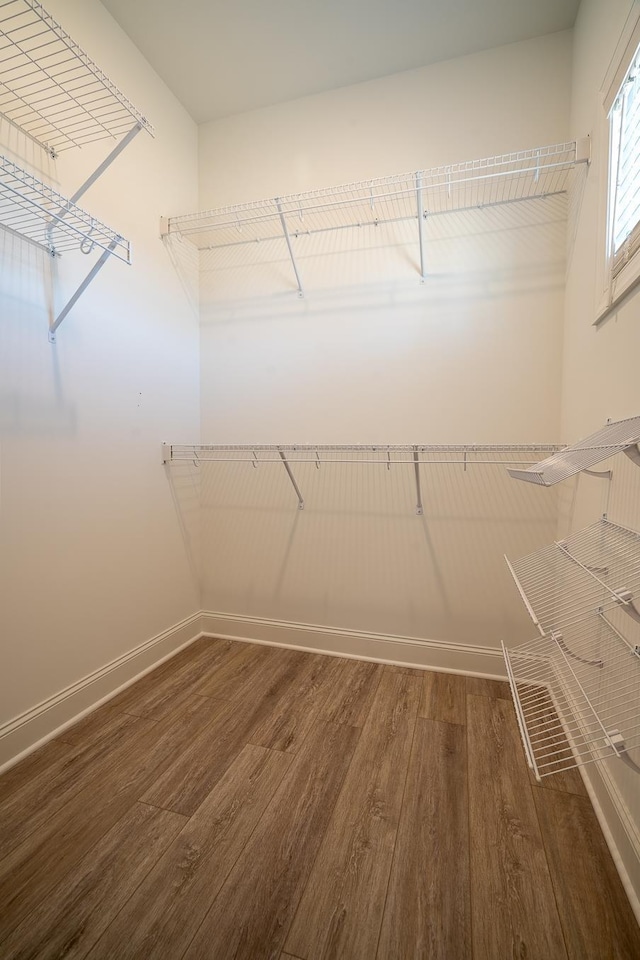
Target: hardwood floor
[[252, 802]]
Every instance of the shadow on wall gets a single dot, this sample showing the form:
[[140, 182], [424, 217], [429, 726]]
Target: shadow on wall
[[33, 404], [359, 556]]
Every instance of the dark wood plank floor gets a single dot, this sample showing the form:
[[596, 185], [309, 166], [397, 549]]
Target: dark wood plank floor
[[245, 801]]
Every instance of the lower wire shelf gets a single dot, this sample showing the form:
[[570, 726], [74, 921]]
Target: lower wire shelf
[[576, 686]]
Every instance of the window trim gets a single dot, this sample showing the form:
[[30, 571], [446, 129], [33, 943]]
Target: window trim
[[617, 281]]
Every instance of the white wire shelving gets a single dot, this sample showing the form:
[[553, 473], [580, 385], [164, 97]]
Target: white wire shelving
[[51, 89], [36, 211], [509, 178], [53, 92], [623, 436], [467, 456], [576, 687]]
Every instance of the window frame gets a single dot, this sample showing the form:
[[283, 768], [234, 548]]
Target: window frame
[[618, 280]]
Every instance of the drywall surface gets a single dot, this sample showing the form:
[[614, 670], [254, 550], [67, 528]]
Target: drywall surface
[[94, 557], [600, 369], [371, 355]]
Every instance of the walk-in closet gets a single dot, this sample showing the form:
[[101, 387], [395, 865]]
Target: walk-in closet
[[319, 480]]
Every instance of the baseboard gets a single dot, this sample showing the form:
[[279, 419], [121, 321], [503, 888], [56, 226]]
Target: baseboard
[[35, 726], [436, 655], [620, 831]]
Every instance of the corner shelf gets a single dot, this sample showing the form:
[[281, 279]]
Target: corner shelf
[[622, 436], [510, 178], [576, 687]]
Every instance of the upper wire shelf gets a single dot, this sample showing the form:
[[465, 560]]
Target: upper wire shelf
[[576, 687], [524, 175], [39, 213], [622, 436], [51, 89]]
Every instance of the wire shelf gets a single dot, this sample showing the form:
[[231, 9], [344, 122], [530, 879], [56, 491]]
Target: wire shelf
[[526, 175], [576, 687], [34, 210], [597, 568], [348, 453], [618, 437], [577, 696], [51, 89]]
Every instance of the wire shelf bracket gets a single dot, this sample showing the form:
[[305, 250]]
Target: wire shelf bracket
[[39, 214], [576, 687], [621, 436], [411, 197]]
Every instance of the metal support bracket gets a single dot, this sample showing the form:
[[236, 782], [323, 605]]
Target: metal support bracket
[[416, 467], [83, 286], [601, 474], [633, 452], [285, 230], [420, 207], [293, 480], [166, 453], [625, 599], [117, 150]]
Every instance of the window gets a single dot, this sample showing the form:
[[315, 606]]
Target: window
[[624, 178]]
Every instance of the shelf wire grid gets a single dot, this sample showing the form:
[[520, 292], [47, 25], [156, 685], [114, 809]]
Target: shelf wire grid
[[525, 175], [51, 89], [576, 687], [385, 454], [39, 213], [604, 443], [576, 695], [573, 578]]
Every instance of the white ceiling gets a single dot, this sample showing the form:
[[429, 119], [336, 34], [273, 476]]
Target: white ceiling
[[222, 57]]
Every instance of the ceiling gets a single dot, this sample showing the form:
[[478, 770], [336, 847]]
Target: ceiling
[[222, 57]]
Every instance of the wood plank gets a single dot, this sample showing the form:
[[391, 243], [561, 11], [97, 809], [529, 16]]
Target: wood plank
[[293, 716], [341, 911], [157, 694], [596, 916], [350, 698], [481, 687], [514, 912], [194, 772], [163, 915], [32, 766], [69, 921], [30, 808], [226, 682], [251, 915], [108, 790], [444, 698], [428, 910]]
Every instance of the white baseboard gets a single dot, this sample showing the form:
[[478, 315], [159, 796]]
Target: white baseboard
[[620, 831], [40, 723], [436, 655]]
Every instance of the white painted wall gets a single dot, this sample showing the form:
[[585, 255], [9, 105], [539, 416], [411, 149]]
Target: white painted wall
[[93, 559], [372, 356], [600, 368]]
